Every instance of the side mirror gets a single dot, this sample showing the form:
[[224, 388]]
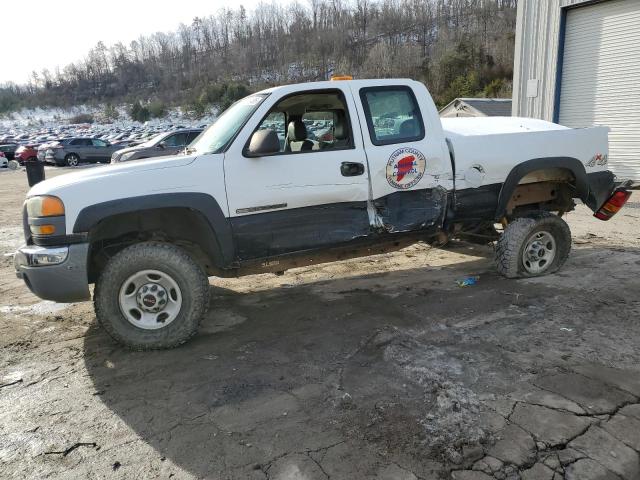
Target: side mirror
[[162, 144], [263, 142]]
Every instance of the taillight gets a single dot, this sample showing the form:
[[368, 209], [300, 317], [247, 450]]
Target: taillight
[[613, 205]]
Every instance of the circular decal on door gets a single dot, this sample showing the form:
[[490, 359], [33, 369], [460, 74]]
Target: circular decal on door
[[405, 168]]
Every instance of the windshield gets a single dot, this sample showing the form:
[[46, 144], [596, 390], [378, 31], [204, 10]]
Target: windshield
[[215, 138]]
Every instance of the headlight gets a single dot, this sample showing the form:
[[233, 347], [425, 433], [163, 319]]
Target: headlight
[[126, 156], [44, 206]]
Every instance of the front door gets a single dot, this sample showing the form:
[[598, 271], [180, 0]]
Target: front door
[[313, 192], [82, 147]]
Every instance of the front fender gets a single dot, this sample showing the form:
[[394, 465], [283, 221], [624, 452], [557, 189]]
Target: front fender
[[203, 203]]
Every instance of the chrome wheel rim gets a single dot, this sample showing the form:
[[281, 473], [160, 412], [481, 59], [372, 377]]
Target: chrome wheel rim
[[539, 252], [72, 161], [150, 299]]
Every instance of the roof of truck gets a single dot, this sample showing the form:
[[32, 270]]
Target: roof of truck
[[371, 82]]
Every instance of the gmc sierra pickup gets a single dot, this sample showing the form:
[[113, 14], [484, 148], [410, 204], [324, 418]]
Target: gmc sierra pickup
[[303, 174]]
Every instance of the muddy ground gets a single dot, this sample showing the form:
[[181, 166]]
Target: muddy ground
[[377, 368]]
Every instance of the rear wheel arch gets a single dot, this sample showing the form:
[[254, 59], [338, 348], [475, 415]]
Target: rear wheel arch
[[519, 172]]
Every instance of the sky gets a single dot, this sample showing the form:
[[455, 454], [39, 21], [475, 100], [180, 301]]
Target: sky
[[37, 34]]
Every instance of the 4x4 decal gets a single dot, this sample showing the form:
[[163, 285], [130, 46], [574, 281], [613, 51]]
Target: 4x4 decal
[[599, 159]]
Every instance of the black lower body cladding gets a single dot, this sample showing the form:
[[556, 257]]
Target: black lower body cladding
[[284, 231], [601, 185]]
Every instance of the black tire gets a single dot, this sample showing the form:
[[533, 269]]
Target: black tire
[[72, 160], [511, 245], [169, 259]]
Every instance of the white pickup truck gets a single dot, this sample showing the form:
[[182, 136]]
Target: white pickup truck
[[303, 174]]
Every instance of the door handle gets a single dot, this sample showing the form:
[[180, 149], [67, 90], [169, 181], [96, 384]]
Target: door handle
[[351, 169]]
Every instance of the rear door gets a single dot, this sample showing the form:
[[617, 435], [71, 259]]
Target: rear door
[[407, 155], [101, 151], [313, 193]]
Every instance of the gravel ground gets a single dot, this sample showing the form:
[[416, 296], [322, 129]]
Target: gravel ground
[[379, 368]]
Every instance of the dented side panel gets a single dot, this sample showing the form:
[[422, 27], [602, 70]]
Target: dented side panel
[[412, 210]]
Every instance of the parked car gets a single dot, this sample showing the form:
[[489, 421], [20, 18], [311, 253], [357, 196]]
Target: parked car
[[25, 153], [9, 150], [72, 151], [4, 163], [165, 144], [241, 202]]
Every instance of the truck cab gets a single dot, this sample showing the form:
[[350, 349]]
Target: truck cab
[[315, 186], [298, 175]]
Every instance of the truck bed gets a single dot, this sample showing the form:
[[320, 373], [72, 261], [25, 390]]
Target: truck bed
[[487, 149]]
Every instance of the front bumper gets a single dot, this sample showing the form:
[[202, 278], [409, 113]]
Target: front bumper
[[55, 273]]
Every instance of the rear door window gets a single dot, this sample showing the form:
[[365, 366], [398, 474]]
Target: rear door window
[[176, 140], [392, 115]]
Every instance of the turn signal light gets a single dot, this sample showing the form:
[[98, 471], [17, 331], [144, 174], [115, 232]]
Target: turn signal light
[[42, 229], [613, 205]]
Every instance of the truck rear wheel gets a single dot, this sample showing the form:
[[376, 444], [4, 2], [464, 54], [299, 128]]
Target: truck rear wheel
[[151, 296], [533, 246]]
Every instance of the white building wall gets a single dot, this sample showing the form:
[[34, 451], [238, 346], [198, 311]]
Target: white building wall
[[536, 56]]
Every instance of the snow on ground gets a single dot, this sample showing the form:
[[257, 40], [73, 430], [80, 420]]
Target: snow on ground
[[53, 116]]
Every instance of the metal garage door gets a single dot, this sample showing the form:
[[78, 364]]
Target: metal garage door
[[601, 77]]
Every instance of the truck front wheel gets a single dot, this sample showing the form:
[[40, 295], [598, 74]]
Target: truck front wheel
[[151, 295], [533, 246]]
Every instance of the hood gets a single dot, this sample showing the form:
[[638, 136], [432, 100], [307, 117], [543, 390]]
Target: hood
[[121, 169]]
